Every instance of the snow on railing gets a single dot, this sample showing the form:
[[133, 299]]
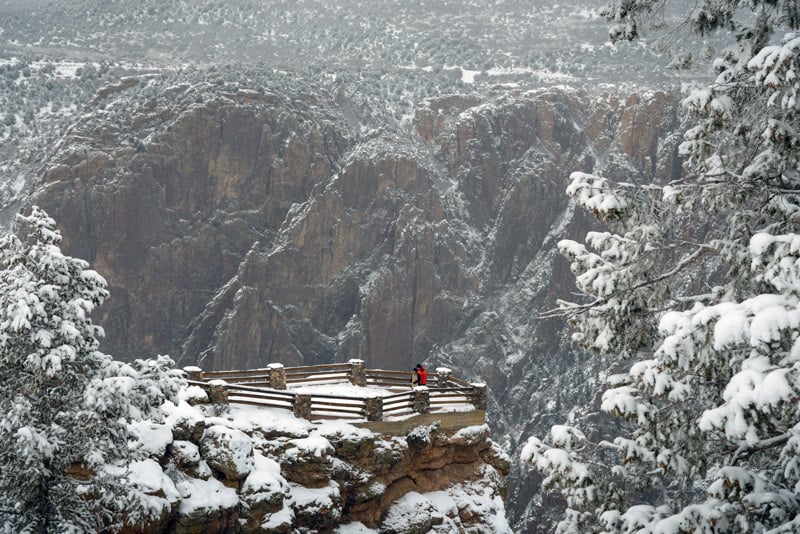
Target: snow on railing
[[375, 398]]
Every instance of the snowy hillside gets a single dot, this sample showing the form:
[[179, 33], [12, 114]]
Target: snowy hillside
[[55, 55], [516, 38]]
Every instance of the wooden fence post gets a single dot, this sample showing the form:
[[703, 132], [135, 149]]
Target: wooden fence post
[[193, 373], [443, 376], [277, 376], [373, 408], [302, 406], [358, 373], [477, 397], [422, 400], [218, 394]]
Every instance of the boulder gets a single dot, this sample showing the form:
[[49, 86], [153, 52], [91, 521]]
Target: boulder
[[227, 451], [185, 457], [206, 507], [308, 462], [263, 494], [317, 509]]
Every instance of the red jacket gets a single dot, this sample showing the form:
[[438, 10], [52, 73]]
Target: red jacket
[[423, 376]]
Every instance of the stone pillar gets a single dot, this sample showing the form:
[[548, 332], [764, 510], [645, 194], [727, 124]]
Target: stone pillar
[[478, 396], [302, 406], [193, 373], [422, 400], [358, 373], [277, 376], [373, 408], [443, 376], [218, 394]]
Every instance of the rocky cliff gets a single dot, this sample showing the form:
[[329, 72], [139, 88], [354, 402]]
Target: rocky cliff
[[263, 470], [296, 222]]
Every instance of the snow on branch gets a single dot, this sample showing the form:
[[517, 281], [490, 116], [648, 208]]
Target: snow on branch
[[594, 194]]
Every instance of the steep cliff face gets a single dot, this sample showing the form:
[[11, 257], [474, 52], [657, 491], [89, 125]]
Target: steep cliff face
[[242, 227], [168, 201]]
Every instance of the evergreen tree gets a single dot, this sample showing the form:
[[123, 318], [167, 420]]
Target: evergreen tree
[[64, 405], [695, 290]]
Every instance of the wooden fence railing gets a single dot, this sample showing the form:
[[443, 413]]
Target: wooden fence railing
[[272, 387]]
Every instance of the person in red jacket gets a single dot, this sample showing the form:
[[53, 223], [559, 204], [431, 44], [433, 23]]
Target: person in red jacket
[[423, 374]]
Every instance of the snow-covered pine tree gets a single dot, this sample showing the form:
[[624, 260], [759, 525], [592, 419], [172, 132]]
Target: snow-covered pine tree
[[695, 291], [64, 405]]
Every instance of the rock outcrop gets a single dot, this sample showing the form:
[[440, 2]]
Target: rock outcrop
[[295, 224], [262, 470]]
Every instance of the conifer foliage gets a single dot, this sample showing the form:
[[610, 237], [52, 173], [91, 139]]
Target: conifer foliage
[[694, 292], [64, 405]]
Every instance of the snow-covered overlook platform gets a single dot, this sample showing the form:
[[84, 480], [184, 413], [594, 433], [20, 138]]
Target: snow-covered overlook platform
[[378, 399]]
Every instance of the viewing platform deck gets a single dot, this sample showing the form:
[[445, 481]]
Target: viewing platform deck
[[377, 399]]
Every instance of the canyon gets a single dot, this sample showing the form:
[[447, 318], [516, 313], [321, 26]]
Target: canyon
[[291, 219]]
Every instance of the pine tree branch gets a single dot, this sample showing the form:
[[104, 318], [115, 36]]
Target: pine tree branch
[[704, 297], [577, 309], [746, 450]]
